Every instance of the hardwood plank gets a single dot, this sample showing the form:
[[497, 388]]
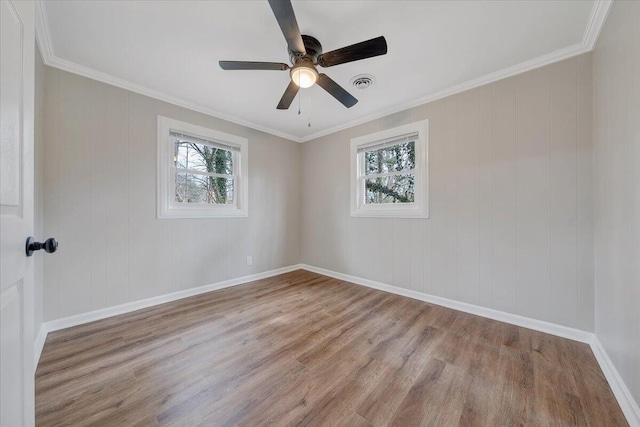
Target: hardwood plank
[[305, 349]]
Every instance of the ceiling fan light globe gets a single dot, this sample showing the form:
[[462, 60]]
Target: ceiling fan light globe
[[304, 77]]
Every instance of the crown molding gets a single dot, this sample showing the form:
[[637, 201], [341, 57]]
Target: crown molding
[[523, 67], [43, 35], [597, 19], [81, 70], [599, 15]]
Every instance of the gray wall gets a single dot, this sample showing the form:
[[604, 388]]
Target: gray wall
[[617, 190], [511, 200], [511, 224], [100, 202]]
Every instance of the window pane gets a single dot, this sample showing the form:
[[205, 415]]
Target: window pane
[[191, 188], [391, 159], [390, 189], [202, 158]]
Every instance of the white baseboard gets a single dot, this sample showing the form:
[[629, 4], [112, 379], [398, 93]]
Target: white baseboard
[[626, 401], [38, 345], [514, 319], [79, 319], [623, 395]]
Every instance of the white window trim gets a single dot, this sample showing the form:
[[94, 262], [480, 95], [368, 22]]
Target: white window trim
[[167, 208], [418, 209]]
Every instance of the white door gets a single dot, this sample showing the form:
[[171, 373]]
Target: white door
[[16, 212]]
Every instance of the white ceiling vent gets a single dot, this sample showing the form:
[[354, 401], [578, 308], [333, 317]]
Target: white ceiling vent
[[363, 81]]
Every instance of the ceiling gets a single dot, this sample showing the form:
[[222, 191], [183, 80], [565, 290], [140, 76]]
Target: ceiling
[[170, 50]]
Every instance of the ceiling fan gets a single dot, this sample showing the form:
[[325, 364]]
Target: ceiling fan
[[305, 53]]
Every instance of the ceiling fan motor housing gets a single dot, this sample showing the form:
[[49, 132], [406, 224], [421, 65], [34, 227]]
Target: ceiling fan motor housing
[[313, 48]]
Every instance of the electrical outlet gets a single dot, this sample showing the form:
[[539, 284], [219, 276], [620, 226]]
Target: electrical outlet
[[249, 260]]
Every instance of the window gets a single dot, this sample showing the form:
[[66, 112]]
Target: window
[[201, 172], [389, 173]]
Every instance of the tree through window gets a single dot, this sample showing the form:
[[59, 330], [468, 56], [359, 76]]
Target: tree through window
[[389, 172], [202, 172]]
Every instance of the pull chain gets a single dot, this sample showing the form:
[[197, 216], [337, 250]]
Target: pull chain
[[299, 95], [309, 117]]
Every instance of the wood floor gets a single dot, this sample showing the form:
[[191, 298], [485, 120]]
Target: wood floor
[[305, 349]]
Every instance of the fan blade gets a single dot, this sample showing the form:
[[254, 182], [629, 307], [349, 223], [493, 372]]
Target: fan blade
[[355, 52], [283, 11], [337, 91], [288, 96], [252, 65]]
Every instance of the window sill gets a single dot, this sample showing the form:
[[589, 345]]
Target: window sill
[[216, 212], [390, 213]]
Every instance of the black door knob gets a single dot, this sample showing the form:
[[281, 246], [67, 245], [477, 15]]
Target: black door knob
[[50, 246]]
